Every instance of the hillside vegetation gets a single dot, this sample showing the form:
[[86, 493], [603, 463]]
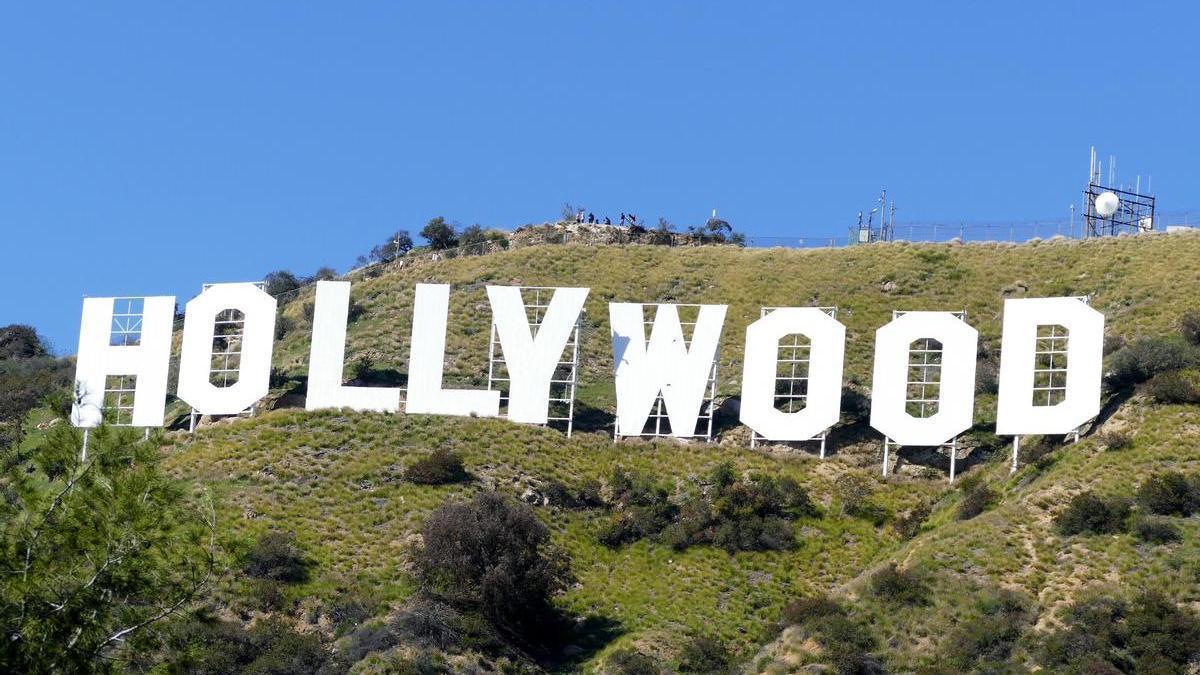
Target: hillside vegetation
[[908, 566]]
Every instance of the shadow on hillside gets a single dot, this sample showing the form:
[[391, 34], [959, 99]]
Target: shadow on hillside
[[1109, 408], [585, 639], [589, 419]]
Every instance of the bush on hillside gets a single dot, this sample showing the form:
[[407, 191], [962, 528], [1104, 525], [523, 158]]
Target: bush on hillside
[[735, 514], [909, 524], [1090, 514], [902, 586], [1144, 358], [846, 643], [1176, 386], [275, 557], [853, 492], [440, 467], [1147, 634], [1189, 326], [1115, 440], [18, 341], [643, 508], [984, 642], [25, 384], [1170, 494], [704, 654], [203, 645], [977, 497], [494, 556], [629, 661], [1155, 530], [586, 495]]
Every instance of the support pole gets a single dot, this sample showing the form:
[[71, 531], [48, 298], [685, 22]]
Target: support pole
[[1016, 449], [885, 457], [953, 458], [83, 451]]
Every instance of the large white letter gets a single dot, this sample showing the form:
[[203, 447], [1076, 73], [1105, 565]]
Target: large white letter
[[823, 404], [327, 356], [425, 393], [668, 365], [254, 362], [1016, 415], [956, 391], [532, 360], [148, 360]]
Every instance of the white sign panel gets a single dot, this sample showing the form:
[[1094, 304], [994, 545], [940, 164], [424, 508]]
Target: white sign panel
[[425, 366], [257, 341], [668, 364], [148, 361], [327, 358], [889, 386], [532, 359], [1016, 414], [827, 344]]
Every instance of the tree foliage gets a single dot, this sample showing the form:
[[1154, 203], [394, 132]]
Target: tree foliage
[[439, 234], [94, 549], [18, 341]]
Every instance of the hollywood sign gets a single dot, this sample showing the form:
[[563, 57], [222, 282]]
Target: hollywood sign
[[665, 368]]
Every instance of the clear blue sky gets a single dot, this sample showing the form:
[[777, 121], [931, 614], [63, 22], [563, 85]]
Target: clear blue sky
[[146, 148]]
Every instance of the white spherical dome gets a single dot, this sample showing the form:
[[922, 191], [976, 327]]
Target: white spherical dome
[[1107, 204]]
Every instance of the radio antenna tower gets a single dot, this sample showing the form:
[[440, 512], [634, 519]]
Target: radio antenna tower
[[1110, 210]]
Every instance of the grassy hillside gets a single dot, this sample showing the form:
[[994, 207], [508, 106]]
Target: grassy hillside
[[334, 478]]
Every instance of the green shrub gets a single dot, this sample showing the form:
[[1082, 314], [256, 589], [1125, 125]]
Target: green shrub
[[283, 326], [1115, 440], [1089, 514], [1144, 358], [977, 497], [1170, 494], [853, 492], [584, 496], [494, 556], [902, 586], [1154, 530], [266, 595], [274, 557], [1148, 634], [909, 524], [203, 645], [19, 341], [629, 661], [846, 643], [351, 608], [737, 515], [1189, 326], [1176, 386], [440, 467], [984, 642], [704, 654]]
